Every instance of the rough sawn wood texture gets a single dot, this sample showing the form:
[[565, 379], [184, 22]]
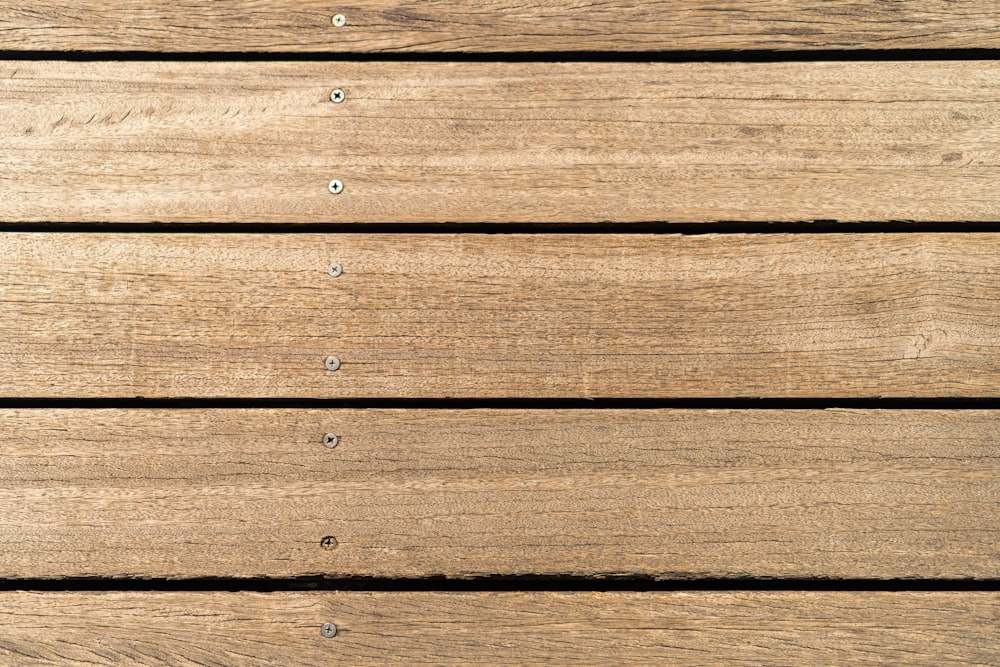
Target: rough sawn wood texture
[[492, 315], [536, 628], [415, 493], [495, 25], [500, 142]]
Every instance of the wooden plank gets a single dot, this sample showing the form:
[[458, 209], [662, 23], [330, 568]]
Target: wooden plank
[[485, 315], [499, 142], [495, 25], [415, 493], [537, 628]]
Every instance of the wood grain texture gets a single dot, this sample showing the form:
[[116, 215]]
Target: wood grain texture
[[541, 628], [416, 493], [484, 315], [495, 25], [499, 142]]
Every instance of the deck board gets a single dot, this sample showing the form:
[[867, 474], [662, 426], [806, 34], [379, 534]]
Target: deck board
[[535, 628], [495, 25], [115, 315], [417, 493], [523, 142]]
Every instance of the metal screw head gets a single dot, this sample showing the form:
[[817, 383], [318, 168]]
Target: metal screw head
[[329, 542], [332, 363], [338, 96], [336, 187], [335, 270], [331, 440], [329, 630], [339, 20]]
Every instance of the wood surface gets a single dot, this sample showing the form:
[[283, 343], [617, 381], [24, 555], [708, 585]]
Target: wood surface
[[499, 142], [536, 628], [414, 493], [495, 25], [492, 315], [214, 497]]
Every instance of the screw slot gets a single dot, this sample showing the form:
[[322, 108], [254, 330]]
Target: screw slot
[[338, 96], [339, 20], [332, 363], [329, 543], [331, 440], [335, 270], [329, 630], [336, 187]]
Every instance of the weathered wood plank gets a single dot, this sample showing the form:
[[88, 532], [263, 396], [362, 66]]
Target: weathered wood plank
[[538, 628], [459, 315], [413, 493], [495, 25], [499, 142]]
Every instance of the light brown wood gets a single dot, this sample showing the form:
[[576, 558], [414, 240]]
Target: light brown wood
[[414, 493], [499, 142], [540, 628], [481, 315], [495, 25]]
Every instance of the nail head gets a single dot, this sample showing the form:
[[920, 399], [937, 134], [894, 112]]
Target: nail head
[[329, 542], [339, 20], [336, 187], [331, 440], [332, 363], [329, 630]]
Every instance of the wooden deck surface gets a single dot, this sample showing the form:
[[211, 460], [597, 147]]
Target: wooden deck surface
[[402, 332]]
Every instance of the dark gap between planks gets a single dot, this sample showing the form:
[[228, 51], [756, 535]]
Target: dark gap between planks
[[691, 229], [746, 56], [505, 583]]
